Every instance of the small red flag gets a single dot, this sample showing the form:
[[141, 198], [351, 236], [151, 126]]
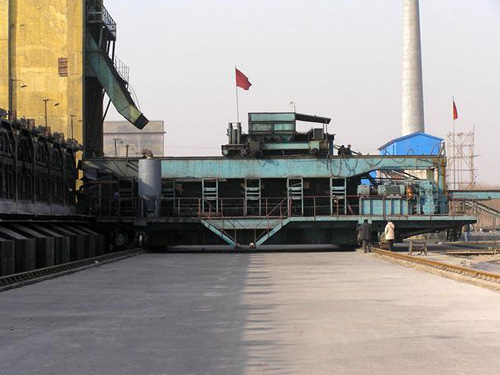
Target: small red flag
[[242, 80], [455, 111]]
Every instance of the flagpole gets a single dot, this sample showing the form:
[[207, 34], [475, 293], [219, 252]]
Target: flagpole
[[454, 147], [237, 105], [237, 100]]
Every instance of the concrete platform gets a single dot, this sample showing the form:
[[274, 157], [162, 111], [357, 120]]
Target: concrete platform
[[272, 313]]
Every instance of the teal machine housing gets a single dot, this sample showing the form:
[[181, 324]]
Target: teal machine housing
[[412, 197]]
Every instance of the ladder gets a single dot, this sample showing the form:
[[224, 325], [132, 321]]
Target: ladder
[[125, 205], [253, 195], [210, 191], [295, 187], [167, 207], [338, 195]]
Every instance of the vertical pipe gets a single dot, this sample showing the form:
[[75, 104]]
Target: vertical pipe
[[413, 97], [45, 102], [230, 133], [235, 135], [238, 133], [11, 97]]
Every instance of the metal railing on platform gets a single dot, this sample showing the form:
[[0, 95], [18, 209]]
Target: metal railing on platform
[[97, 13], [268, 208]]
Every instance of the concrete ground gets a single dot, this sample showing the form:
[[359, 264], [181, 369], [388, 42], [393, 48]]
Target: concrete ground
[[268, 313]]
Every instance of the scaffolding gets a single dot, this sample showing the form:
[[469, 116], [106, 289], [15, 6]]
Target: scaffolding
[[461, 174]]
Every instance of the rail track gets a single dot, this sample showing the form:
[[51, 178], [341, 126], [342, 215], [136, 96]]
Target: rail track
[[30, 277], [463, 271]]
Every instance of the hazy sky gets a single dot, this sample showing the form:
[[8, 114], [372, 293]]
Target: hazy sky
[[334, 58]]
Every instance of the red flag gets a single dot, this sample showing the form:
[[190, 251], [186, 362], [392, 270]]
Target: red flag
[[455, 111], [242, 80]]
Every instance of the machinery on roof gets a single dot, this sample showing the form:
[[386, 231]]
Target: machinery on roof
[[276, 134]]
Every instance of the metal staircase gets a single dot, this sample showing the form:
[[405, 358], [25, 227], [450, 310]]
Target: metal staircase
[[482, 208], [219, 232], [268, 225]]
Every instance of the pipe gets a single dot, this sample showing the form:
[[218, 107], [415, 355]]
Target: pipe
[[238, 133], [230, 134], [235, 136]]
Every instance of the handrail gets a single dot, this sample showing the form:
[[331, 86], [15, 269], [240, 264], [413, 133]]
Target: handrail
[[122, 69], [97, 13], [273, 207]]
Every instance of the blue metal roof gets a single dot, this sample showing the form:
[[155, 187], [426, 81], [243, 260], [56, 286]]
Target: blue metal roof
[[418, 143]]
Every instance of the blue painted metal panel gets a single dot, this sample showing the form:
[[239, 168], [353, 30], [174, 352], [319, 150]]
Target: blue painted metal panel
[[393, 206], [413, 144], [338, 167]]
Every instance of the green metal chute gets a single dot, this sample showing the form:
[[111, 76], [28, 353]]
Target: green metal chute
[[113, 84]]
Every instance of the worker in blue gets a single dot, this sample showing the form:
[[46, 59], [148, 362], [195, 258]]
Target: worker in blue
[[365, 235]]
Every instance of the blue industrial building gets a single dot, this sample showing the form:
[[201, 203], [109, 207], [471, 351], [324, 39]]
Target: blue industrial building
[[413, 144]]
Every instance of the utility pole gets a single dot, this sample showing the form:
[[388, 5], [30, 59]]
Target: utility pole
[[11, 99], [11, 95], [72, 117], [45, 102], [116, 148], [46, 112]]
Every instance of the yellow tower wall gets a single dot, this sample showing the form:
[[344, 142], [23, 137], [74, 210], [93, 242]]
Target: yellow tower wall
[[42, 32], [4, 54]]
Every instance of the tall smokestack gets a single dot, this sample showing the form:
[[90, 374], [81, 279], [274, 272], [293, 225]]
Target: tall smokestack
[[413, 93]]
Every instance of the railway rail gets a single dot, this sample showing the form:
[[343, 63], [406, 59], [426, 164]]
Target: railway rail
[[463, 271], [472, 252], [30, 277]]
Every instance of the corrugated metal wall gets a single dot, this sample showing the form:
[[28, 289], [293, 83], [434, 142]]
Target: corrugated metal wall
[[415, 144]]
